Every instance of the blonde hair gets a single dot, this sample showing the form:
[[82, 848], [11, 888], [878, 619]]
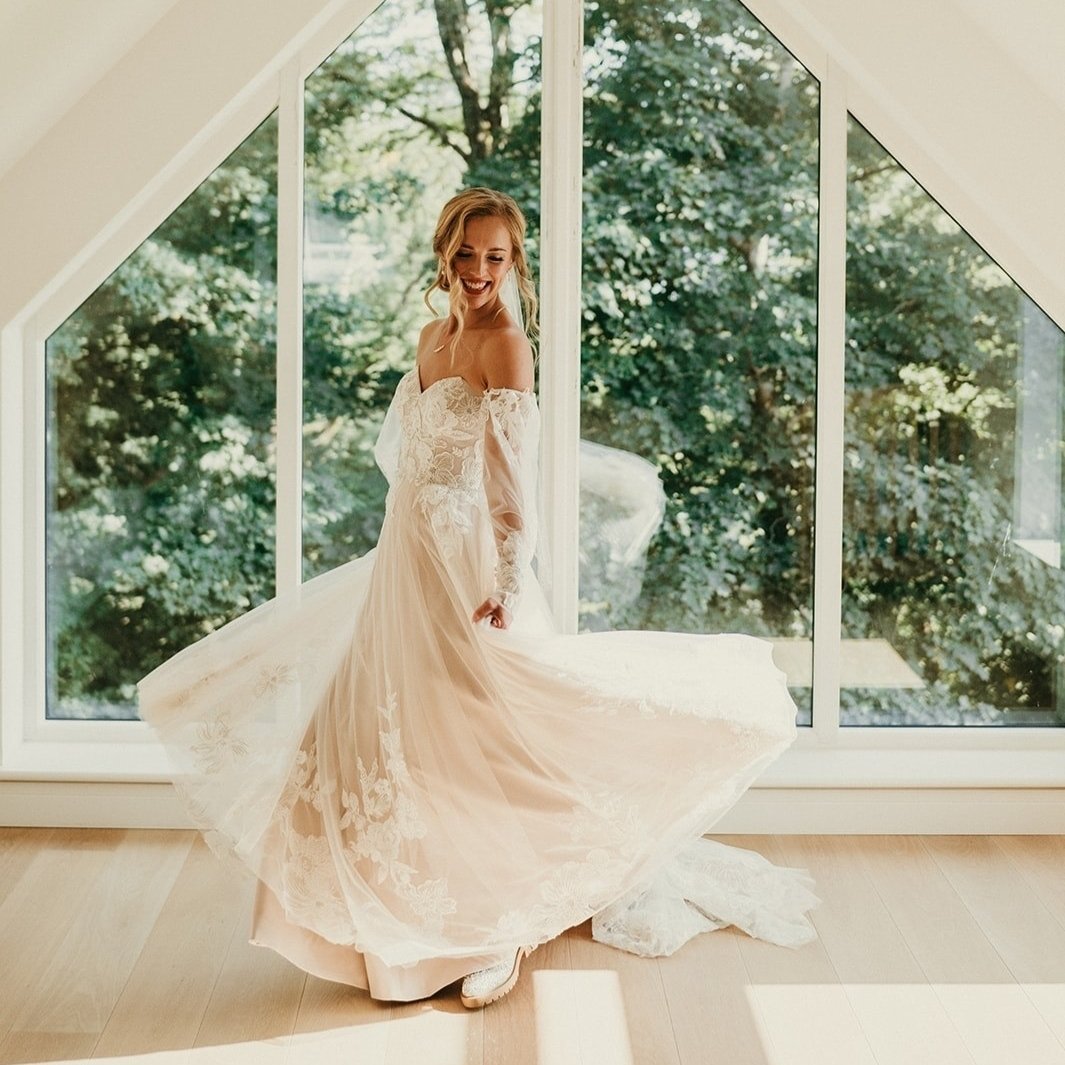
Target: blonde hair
[[479, 202]]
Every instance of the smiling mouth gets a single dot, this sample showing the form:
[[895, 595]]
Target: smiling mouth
[[476, 288]]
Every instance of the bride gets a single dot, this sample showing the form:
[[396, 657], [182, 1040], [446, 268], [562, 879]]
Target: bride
[[426, 777]]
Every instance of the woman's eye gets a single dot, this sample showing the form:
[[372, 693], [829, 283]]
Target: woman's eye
[[491, 258]]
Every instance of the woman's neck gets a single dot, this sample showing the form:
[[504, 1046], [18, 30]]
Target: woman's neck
[[481, 317]]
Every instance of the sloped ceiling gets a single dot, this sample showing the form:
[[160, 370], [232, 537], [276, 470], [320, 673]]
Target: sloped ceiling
[[1032, 32], [970, 96], [52, 52], [976, 87]]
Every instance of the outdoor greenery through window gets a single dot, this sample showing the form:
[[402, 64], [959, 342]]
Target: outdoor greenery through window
[[160, 485], [699, 340], [698, 371], [953, 515], [420, 101]]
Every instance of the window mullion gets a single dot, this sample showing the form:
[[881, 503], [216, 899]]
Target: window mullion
[[831, 342], [289, 453], [560, 291]]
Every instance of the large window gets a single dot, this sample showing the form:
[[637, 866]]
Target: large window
[[729, 282], [422, 100], [699, 341], [160, 497], [953, 587]]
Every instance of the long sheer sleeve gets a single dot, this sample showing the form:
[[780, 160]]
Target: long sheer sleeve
[[386, 447], [511, 453]]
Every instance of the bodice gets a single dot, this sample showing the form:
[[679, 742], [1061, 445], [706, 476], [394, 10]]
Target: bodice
[[442, 444], [459, 457]]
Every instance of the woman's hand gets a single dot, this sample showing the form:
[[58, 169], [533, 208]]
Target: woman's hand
[[494, 609]]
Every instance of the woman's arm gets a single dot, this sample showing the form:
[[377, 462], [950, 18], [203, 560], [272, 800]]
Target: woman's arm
[[509, 400]]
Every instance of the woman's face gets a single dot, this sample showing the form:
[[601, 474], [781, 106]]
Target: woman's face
[[483, 260]]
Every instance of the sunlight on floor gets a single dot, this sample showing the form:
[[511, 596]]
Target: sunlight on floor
[[367, 1041], [839, 1024], [598, 1033], [158, 1057], [801, 1023]]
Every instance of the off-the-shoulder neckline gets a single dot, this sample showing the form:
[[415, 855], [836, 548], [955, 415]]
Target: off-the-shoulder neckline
[[419, 391]]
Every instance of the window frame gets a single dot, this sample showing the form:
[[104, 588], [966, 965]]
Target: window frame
[[825, 755]]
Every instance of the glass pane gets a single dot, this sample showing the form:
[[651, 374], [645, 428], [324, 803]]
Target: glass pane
[[953, 485], [160, 470], [389, 139], [699, 333]]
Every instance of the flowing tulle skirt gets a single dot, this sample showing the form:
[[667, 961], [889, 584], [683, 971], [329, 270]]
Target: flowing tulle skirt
[[417, 794]]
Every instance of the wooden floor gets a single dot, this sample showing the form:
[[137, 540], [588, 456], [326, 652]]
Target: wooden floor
[[132, 946]]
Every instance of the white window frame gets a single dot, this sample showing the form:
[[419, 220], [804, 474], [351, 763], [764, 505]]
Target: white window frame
[[825, 756]]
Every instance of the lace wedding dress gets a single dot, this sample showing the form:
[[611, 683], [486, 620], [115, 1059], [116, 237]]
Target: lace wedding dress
[[418, 794]]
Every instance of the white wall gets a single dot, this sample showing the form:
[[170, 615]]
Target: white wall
[[94, 166], [970, 95], [60, 48]]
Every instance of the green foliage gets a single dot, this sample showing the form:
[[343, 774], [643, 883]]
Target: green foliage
[[698, 346], [160, 457], [932, 385]]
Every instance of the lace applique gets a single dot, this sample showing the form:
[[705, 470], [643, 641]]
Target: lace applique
[[571, 894], [273, 678], [219, 745], [613, 832], [444, 458], [448, 512], [604, 818], [386, 816], [709, 885], [304, 783], [309, 889], [441, 444], [379, 816]]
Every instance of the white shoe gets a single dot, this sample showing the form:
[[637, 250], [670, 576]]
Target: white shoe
[[487, 985]]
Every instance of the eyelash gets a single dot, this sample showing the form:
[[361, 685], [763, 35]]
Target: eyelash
[[491, 258]]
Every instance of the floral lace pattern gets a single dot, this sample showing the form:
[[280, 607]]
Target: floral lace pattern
[[444, 459], [443, 443], [377, 818], [218, 745], [388, 815], [508, 411]]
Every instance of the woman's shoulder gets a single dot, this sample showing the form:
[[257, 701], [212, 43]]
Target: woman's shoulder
[[430, 330], [507, 361]]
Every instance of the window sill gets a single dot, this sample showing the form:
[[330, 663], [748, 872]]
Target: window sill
[[854, 758]]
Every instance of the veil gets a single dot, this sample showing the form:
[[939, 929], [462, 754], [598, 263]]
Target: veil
[[512, 299]]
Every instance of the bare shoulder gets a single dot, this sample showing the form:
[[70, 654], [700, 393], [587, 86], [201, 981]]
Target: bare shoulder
[[507, 360], [430, 331]]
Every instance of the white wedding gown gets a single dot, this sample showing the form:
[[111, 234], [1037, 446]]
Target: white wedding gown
[[418, 794]]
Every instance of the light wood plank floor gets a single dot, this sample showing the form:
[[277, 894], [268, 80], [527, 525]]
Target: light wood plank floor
[[131, 946]]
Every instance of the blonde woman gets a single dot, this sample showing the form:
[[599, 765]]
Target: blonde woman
[[428, 778]]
